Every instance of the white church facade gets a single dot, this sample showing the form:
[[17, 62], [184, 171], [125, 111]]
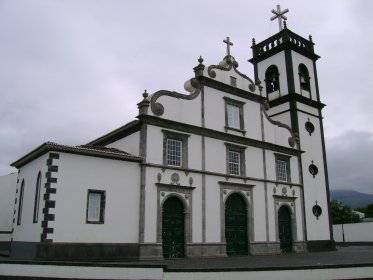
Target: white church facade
[[234, 166]]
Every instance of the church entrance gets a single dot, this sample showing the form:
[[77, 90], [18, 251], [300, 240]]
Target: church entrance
[[284, 228], [173, 228], [236, 226]]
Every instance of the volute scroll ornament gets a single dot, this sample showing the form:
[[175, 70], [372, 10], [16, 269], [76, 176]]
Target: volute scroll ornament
[[192, 86], [226, 65]]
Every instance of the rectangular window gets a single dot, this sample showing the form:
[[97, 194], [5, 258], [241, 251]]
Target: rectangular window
[[95, 207], [233, 81], [174, 152], [175, 148], [235, 160], [282, 168], [234, 163], [20, 203], [234, 114]]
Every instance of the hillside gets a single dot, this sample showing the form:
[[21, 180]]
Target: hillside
[[352, 198]]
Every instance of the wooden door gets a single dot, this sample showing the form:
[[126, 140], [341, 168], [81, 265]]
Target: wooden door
[[236, 226], [173, 228], [284, 224]]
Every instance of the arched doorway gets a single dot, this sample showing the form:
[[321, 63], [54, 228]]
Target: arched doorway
[[284, 229], [173, 228], [236, 225]]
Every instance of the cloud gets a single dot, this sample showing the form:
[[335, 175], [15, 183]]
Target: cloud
[[350, 161]]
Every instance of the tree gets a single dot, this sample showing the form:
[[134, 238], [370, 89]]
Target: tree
[[342, 214], [368, 211]]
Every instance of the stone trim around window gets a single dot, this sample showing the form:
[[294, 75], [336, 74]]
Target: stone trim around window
[[241, 151], [20, 202], [286, 159], [37, 199], [239, 105], [167, 134], [102, 206]]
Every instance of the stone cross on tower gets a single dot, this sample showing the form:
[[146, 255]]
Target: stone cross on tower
[[228, 46], [280, 15]]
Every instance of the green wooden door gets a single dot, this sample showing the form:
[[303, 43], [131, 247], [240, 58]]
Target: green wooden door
[[173, 228], [236, 226], [284, 224]]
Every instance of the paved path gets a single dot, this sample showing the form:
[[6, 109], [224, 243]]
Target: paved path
[[344, 256], [352, 256]]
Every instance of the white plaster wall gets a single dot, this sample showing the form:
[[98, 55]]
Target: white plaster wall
[[360, 232], [8, 184], [252, 121], [275, 134], [28, 230], [129, 144], [120, 180], [215, 108], [154, 153], [259, 212], [150, 234], [215, 155], [314, 187], [254, 162], [279, 109], [224, 77], [278, 60], [181, 110], [213, 225], [298, 59]]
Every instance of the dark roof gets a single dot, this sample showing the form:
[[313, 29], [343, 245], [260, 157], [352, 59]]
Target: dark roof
[[88, 150]]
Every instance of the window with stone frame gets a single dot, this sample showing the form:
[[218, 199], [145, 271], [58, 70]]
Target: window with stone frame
[[282, 163], [95, 207], [175, 148], [20, 202], [235, 160], [37, 198], [234, 118]]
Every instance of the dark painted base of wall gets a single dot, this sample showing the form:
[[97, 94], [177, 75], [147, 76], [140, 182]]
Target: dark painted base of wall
[[133, 251], [321, 245], [75, 251], [4, 245], [365, 243]]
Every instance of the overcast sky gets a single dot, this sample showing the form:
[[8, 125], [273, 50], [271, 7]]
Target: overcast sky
[[71, 71]]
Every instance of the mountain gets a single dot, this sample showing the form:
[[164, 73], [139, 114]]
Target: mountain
[[352, 198]]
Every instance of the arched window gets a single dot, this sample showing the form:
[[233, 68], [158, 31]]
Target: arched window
[[304, 78], [272, 79], [37, 198], [19, 217]]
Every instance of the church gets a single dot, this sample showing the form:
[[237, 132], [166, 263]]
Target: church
[[232, 166]]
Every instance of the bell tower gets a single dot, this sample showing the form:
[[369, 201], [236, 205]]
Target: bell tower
[[285, 64]]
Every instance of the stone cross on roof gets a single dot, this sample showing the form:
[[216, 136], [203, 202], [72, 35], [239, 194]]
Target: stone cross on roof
[[229, 43], [280, 15]]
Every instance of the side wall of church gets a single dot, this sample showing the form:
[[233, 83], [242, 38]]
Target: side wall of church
[[28, 230], [120, 182], [8, 185]]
